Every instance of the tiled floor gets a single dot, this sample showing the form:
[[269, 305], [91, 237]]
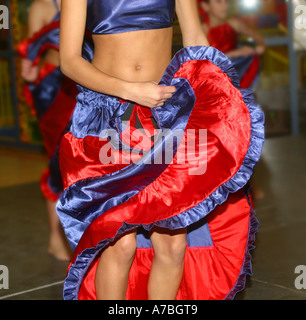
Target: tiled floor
[[280, 242]]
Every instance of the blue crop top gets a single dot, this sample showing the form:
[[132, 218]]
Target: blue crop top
[[117, 16]]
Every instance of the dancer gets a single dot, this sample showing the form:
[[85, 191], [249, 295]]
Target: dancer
[[52, 97], [222, 33], [147, 217]]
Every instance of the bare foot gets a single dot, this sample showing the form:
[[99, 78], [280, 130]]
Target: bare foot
[[257, 193]]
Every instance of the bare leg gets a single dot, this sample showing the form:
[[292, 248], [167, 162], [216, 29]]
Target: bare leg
[[113, 269], [168, 263], [58, 244]]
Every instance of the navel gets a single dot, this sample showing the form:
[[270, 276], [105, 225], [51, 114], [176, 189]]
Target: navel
[[138, 67]]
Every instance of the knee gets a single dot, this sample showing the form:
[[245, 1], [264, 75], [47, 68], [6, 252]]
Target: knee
[[171, 251], [125, 248]]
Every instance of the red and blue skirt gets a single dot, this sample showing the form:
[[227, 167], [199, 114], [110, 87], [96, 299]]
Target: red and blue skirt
[[120, 176]]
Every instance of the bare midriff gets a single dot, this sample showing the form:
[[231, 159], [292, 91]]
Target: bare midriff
[[134, 56]]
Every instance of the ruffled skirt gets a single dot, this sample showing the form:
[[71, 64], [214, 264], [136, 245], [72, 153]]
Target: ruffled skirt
[[183, 165]]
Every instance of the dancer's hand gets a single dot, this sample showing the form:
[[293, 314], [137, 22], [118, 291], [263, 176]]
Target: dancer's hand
[[28, 71], [243, 51], [260, 49], [150, 94], [246, 51]]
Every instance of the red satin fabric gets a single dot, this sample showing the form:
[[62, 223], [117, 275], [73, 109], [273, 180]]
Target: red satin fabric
[[220, 110], [55, 120], [80, 157], [210, 272]]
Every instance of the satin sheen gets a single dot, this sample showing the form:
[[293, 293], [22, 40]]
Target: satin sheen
[[117, 16]]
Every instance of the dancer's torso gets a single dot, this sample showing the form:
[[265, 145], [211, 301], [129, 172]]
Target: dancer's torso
[[133, 39], [223, 37]]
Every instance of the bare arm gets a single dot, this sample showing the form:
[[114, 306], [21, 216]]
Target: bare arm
[[243, 29], [192, 30], [73, 21], [243, 51], [36, 21]]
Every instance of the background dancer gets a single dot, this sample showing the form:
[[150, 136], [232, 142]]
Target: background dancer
[[51, 96]]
